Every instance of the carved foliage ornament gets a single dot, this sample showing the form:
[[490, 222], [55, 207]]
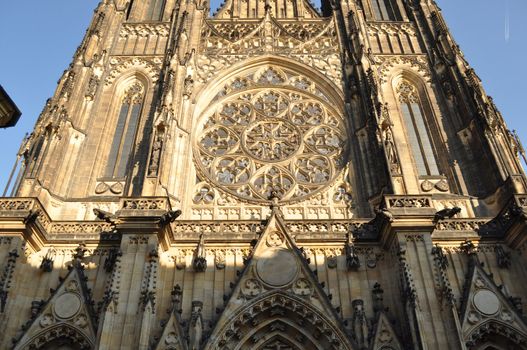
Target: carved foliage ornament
[[271, 141], [118, 65], [387, 63]]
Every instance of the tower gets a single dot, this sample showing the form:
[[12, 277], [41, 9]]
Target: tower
[[269, 177]]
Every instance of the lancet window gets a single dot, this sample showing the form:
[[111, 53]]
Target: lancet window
[[417, 131], [386, 10], [155, 10], [151, 10], [125, 131]]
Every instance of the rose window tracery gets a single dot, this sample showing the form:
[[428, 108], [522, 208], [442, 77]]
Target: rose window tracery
[[269, 137]]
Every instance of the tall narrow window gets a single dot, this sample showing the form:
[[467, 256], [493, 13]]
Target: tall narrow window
[[155, 10], [386, 10], [125, 130], [417, 131]]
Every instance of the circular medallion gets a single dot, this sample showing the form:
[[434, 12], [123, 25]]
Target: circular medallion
[[67, 305], [427, 186], [486, 302], [277, 267]]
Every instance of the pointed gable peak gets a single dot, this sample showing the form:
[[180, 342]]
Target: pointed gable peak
[[275, 233], [172, 336], [384, 336], [67, 315], [275, 291], [485, 309]]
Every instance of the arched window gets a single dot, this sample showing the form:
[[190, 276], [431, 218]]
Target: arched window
[[125, 131], [419, 138], [155, 10], [146, 11], [386, 10]]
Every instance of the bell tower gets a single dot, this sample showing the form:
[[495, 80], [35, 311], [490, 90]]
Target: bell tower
[[272, 176]]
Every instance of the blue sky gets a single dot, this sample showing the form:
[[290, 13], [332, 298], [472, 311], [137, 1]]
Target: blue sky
[[38, 39]]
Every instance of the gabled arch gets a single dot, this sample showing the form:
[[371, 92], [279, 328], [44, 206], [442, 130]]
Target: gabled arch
[[292, 302], [278, 312], [278, 329], [61, 332], [277, 339], [497, 334], [66, 317]]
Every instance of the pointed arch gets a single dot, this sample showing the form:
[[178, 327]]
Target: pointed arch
[[413, 113], [416, 113], [67, 317], [61, 334], [331, 90], [131, 106], [494, 334], [279, 315], [278, 340]]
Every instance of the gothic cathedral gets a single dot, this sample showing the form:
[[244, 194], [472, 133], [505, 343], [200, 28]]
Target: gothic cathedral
[[269, 177]]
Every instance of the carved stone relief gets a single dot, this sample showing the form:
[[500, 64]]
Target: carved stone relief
[[270, 141]]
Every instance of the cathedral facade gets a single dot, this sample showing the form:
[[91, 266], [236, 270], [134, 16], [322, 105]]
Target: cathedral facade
[[269, 177]]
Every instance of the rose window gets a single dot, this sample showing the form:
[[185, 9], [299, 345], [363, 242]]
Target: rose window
[[271, 142], [271, 139]]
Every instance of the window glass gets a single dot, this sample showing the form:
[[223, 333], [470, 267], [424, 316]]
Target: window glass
[[416, 129], [125, 130]]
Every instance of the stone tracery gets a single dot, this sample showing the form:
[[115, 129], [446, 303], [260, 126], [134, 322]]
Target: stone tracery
[[271, 134]]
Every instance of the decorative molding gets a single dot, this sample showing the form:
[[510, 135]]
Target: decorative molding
[[408, 202], [466, 225], [160, 203], [392, 28], [144, 29], [418, 63], [120, 64]]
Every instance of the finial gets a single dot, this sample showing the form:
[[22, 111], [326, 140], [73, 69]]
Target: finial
[[267, 7]]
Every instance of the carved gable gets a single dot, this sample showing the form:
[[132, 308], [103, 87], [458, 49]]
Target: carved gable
[[486, 310], [173, 337], [384, 337], [66, 317], [278, 299]]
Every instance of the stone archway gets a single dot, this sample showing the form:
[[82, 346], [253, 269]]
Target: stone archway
[[494, 335], [279, 342], [279, 330], [62, 336], [61, 344], [284, 318]]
